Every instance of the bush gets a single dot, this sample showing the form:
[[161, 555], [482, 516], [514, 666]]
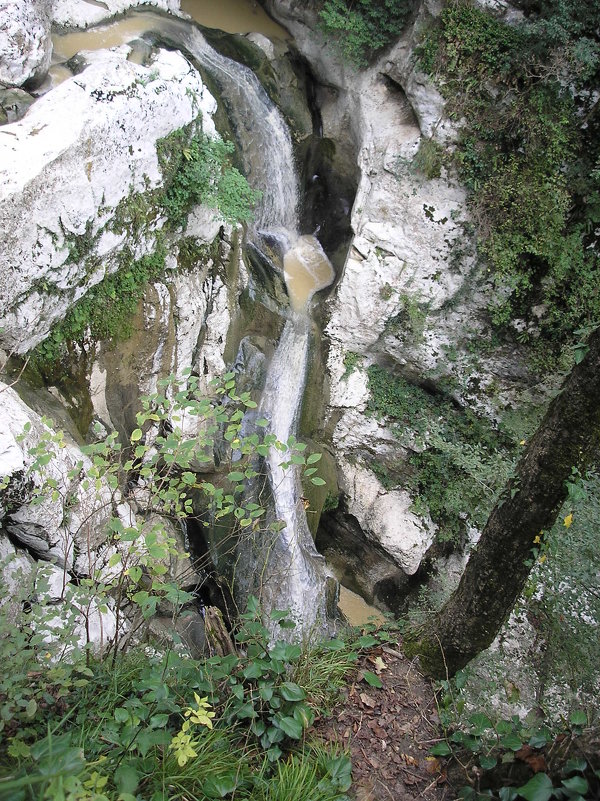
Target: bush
[[361, 28], [522, 153], [196, 170]]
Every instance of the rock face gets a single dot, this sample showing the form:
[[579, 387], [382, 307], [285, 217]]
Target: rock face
[[411, 297], [76, 14], [64, 176], [25, 44]]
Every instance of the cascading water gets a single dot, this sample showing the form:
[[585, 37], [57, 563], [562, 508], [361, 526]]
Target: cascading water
[[294, 576]]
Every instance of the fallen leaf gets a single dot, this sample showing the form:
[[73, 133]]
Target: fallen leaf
[[367, 700], [432, 765], [379, 664]]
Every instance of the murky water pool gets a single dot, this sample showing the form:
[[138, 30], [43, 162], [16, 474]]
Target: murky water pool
[[234, 16], [306, 270], [356, 610]]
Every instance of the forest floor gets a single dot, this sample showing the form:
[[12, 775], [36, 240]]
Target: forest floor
[[389, 730]]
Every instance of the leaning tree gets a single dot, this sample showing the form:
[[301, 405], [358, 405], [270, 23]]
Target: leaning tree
[[499, 565]]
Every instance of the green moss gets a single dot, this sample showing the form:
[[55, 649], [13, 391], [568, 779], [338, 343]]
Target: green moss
[[410, 320], [462, 462], [136, 213], [105, 310], [193, 252], [351, 362], [429, 158]]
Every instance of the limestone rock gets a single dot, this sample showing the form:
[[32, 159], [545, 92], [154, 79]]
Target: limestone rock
[[14, 104], [77, 14], [64, 175], [15, 569], [25, 43], [44, 525], [385, 517]]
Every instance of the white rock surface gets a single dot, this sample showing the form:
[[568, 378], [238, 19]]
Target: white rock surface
[[82, 14], [47, 527], [385, 517], [25, 43], [62, 175]]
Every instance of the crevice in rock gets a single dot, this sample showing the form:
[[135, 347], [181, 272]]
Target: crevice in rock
[[362, 565]]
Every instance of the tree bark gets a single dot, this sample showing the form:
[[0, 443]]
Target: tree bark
[[498, 567]]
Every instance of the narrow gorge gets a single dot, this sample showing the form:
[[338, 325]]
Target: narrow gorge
[[260, 287]]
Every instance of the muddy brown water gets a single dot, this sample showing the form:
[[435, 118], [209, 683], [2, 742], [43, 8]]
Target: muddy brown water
[[356, 610], [307, 270], [232, 16]]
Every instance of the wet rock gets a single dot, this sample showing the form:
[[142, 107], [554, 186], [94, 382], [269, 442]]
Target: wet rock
[[360, 564], [385, 517], [186, 630], [25, 43], [14, 103], [15, 569], [42, 524]]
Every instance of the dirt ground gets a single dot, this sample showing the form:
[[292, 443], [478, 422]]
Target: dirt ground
[[389, 730]]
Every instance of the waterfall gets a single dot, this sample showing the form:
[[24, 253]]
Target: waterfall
[[295, 576], [261, 132]]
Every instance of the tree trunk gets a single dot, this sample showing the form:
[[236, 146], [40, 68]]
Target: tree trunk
[[498, 567]]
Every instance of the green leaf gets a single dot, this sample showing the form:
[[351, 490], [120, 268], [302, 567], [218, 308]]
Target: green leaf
[[291, 727], [246, 711], [441, 749], [253, 671], [220, 787], [578, 718], [126, 779], [121, 714], [266, 692], [488, 762], [292, 692], [31, 708], [313, 458], [512, 742], [538, 788], [235, 475], [317, 481], [372, 679], [367, 641], [334, 645], [576, 785], [136, 435], [507, 793], [480, 722]]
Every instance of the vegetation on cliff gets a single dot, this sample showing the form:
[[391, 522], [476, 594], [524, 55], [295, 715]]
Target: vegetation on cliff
[[529, 154]]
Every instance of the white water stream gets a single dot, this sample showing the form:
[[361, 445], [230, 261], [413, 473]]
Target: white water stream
[[295, 577]]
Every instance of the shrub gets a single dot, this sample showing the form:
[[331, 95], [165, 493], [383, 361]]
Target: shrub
[[528, 164], [196, 170], [361, 28]]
